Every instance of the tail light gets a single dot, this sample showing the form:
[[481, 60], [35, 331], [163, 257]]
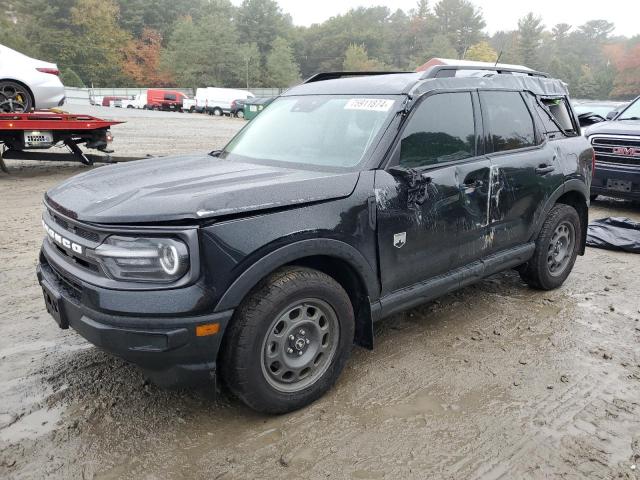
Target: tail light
[[52, 71]]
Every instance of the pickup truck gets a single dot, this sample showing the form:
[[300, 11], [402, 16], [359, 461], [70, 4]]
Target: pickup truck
[[616, 143]]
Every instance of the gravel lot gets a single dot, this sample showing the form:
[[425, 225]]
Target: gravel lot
[[494, 381]]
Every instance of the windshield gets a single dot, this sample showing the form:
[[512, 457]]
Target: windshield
[[632, 112], [318, 130]]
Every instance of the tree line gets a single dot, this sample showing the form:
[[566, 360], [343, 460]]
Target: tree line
[[192, 43]]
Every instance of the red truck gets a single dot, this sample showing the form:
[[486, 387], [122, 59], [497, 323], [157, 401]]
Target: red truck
[[158, 99]]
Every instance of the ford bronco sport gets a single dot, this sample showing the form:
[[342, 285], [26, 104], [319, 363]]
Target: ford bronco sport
[[350, 198], [617, 149]]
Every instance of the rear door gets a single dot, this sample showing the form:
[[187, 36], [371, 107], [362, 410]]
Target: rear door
[[524, 168], [433, 220]]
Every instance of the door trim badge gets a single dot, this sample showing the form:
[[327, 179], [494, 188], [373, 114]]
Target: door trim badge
[[400, 239]]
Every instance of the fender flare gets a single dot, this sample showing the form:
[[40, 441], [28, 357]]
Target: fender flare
[[248, 279], [571, 185]]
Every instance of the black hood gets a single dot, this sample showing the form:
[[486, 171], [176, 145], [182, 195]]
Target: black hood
[[190, 187], [615, 127]]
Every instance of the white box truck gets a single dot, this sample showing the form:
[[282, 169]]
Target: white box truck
[[217, 101]]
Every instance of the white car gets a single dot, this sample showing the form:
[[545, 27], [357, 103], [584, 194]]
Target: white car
[[27, 83]]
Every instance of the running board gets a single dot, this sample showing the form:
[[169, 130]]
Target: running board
[[435, 287]]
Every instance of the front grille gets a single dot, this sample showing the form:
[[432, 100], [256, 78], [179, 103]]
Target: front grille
[[70, 227], [71, 288], [619, 150]]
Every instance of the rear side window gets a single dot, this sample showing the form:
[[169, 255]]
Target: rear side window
[[509, 121], [441, 130], [560, 112]]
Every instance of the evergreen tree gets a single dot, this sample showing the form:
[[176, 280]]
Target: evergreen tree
[[281, 68], [357, 59], [461, 22], [261, 22], [530, 30]]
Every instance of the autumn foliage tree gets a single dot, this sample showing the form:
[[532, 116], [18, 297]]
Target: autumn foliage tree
[[626, 59], [142, 60]]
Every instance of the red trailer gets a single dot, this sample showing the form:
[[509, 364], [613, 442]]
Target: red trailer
[[25, 136]]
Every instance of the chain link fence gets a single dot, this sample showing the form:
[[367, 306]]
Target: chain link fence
[[83, 96]]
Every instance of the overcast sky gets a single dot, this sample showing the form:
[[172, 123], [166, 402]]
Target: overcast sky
[[499, 14]]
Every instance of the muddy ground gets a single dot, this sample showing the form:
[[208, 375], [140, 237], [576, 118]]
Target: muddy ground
[[494, 381]]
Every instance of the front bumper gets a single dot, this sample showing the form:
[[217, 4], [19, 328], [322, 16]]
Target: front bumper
[[166, 348], [627, 173]]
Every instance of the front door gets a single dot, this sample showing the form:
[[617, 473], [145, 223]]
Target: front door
[[433, 217]]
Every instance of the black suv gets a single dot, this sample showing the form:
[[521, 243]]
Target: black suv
[[617, 149], [349, 199]]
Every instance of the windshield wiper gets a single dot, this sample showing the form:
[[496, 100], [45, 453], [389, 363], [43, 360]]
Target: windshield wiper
[[215, 153]]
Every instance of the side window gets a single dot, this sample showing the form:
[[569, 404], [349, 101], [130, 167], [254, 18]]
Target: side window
[[442, 129], [169, 96], [558, 109], [510, 123]]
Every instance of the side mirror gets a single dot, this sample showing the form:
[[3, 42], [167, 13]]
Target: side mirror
[[611, 115], [401, 173]]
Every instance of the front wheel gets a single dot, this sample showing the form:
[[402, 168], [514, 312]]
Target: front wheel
[[217, 112], [556, 249], [289, 340], [240, 114]]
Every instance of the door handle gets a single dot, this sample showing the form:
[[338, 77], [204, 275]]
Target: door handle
[[544, 169], [473, 184]]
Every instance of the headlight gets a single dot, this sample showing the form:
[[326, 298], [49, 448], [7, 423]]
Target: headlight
[[137, 259]]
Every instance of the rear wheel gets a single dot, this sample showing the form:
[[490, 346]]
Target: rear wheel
[[14, 97], [217, 112], [556, 249], [289, 340]]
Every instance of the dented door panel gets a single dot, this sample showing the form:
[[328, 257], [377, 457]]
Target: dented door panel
[[447, 230], [522, 181]]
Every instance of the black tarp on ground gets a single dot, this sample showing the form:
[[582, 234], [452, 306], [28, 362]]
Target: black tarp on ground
[[614, 233]]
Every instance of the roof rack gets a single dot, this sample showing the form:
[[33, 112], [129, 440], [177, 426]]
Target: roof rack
[[443, 71], [318, 77]]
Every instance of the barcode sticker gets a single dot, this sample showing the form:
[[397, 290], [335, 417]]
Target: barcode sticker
[[371, 104]]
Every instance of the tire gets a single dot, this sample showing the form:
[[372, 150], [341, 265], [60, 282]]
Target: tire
[[15, 97], [217, 112], [297, 319], [556, 249], [192, 109], [240, 114]]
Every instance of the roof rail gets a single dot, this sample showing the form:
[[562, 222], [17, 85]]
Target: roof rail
[[318, 77], [443, 71]]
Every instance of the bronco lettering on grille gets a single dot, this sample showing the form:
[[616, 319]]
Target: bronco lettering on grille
[[60, 240]]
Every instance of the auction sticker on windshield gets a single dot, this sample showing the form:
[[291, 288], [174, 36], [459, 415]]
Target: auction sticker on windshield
[[371, 104]]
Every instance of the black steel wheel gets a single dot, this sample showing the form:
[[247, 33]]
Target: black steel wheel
[[556, 249], [288, 341], [14, 97]]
